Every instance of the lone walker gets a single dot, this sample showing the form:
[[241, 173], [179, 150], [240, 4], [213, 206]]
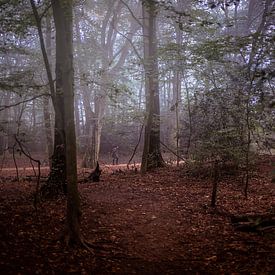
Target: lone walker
[[115, 155]]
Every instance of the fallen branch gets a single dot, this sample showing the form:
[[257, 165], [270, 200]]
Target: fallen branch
[[254, 223], [172, 151]]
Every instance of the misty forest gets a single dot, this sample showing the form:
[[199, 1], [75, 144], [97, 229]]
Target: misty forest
[[137, 137]]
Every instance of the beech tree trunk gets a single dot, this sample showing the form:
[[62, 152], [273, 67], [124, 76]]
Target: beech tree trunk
[[110, 66], [62, 12], [89, 158], [46, 102], [48, 128], [56, 182], [151, 157]]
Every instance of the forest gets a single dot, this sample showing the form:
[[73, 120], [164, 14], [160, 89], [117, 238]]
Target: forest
[[137, 137]]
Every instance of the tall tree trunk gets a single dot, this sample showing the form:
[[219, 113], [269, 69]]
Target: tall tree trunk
[[176, 99], [100, 105], [151, 157], [46, 103], [77, 106], [57, 178], [64, 87], [33, 118], [177, 88], [189, 119], [257, 39], [77, 100], [6, 120], [89, 159], [110, 66], [90, 155], [48, 128]]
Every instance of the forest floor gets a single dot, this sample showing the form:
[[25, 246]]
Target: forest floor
[[158, 223]]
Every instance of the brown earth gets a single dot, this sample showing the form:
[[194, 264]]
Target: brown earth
[[159, 223]]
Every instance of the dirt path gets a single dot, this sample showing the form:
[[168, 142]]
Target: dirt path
[[155, 224]]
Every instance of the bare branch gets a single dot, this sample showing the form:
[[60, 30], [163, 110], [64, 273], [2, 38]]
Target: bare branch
[[132, 44], [38, 166], [43, 48], [132, 13], [139, 139], [45, 11], [3, 107], [172, 151]]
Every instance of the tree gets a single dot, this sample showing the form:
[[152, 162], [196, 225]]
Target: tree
[[46, 100], [151, 157], [89, 159], [112, 60], [57, 179], [231, 77], [62, 12]]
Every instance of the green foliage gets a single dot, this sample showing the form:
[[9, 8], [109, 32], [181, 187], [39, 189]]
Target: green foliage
[[219, 131], [116, 90], [15, 17]]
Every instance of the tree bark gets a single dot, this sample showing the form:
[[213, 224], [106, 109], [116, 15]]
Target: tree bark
[[89, 158], [151, 157], [48, 128], [57, 177], [110, 66], [46, 103], [62, 11]]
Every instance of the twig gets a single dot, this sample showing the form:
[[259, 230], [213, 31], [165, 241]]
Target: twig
[[131, 43], [39, 171], [14, 160], [3, 107], [28, 152], [132, 13], [44, 12], [43, 49], [140, 133]]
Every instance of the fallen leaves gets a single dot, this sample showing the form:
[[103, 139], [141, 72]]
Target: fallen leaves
[[161, 223]]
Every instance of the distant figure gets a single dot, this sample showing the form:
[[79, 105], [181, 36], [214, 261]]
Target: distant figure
[[115, 155]]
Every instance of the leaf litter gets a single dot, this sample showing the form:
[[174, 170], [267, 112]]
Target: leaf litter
[[159, 223]]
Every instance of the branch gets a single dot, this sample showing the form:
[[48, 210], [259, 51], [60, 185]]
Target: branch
[[14, 161], [3, 107], [132, 13], [45, 11], [140, 133], [38, 165], [172, 151], [131, 43], [43, 48]]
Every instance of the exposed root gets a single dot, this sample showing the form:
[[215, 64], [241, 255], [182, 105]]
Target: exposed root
[[78, 242], [88, 246], [53, 188]]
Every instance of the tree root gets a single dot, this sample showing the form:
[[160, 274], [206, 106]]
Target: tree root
[[78, 242]]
